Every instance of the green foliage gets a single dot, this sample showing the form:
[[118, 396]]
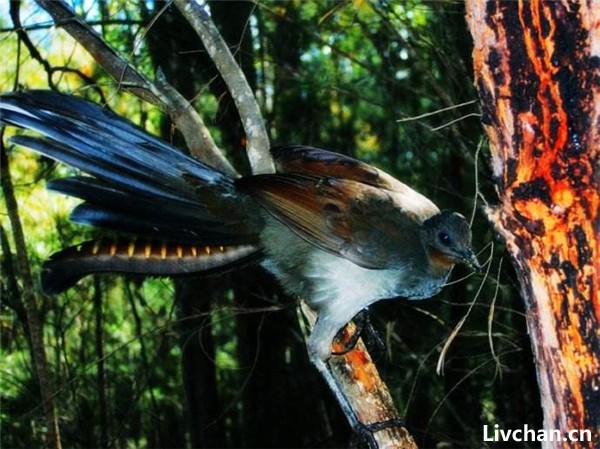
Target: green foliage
[[333, 74]]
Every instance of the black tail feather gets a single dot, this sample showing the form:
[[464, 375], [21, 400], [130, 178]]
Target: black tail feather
[[140, 184], [114, 209]]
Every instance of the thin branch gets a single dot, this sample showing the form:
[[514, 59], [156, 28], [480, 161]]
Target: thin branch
[[148, 373], [30, 301], [490, 322], [452, 122], [48, 25], [437, 111], [35, 54], [24, 37], [106, 56], [101, 367], [11, 294], [440, 364], [258, 141], [160, 92]]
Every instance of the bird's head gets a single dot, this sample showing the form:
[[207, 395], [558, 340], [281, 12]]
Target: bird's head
[[447, 239]]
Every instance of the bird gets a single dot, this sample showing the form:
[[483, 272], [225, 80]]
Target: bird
[[333, 230]]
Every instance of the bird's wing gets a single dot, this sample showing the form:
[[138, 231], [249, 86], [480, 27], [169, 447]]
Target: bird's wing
[[305, 160], [355, 220]]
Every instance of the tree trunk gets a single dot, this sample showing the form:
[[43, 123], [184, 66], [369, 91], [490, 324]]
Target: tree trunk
[[537, 72], [198, 363]]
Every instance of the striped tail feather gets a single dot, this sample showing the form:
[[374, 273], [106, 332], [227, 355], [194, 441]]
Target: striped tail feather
[[140, 256]]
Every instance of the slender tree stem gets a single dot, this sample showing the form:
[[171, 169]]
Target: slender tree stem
[[30, 300]]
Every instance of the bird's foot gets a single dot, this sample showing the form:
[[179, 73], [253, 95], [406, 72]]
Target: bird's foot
[[364, 328], [360, 320]]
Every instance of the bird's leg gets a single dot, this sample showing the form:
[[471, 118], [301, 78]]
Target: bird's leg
[[372, 338], [319, 350], [365, 329]]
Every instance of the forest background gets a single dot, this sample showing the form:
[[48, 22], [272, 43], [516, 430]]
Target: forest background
[[221, 361]]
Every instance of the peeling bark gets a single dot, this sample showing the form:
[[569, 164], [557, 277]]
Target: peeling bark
[[537, 73]]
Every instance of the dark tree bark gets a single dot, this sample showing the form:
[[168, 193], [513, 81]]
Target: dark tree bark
[[100, 364], [198, 362], [537, 73]]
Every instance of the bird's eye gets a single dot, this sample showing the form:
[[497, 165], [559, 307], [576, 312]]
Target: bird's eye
[[444, 238]]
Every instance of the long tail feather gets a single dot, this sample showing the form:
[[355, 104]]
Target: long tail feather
[[137, 184], [140, 256], [150, 217]]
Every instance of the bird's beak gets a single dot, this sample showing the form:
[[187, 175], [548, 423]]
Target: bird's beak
[[469, 258]]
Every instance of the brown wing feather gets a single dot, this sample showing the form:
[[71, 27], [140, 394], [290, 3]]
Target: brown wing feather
[[342, 205], [337, 215], [313, 161], [299, 202]]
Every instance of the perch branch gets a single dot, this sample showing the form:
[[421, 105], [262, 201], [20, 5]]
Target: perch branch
[[359, 380]]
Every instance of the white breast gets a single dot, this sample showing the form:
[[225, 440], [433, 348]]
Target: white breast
[[328, 281], [336, 278]]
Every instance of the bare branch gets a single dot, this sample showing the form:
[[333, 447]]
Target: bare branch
[[258, 140], [24, 37], [35, 54], [48, 25], [191, 125]]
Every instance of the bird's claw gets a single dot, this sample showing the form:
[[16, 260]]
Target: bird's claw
[[364, 327]]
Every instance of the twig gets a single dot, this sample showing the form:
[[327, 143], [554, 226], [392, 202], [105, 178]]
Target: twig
[[35, 54], [491, 317], [437, 111], [440, 365], [452, 122], [52, 24]]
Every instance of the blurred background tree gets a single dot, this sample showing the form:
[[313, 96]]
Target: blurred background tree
[[221, 361]]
